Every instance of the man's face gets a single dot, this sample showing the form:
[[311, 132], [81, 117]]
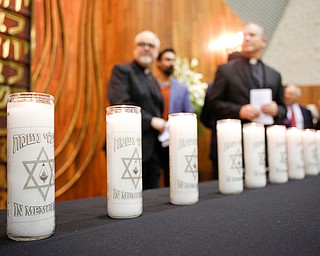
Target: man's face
[[253, 40], [145, 50], [167, 63], [290, 96]]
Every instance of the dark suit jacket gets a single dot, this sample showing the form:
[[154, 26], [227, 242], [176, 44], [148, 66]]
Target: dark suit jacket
[[129, 85], [307, 119], [205, 114], [318, 124], [231, 89]]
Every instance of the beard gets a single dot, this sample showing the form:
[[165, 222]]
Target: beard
[[169, 70], [147, 60]]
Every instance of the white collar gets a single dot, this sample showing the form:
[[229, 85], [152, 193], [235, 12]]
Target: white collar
[[147, 71], [253, 61]]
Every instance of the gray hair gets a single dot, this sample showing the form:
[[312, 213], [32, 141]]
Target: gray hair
[[149, 34], [296, 88]]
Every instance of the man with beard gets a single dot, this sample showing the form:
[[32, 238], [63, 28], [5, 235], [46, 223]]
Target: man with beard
[[176, 100], [133, 84]]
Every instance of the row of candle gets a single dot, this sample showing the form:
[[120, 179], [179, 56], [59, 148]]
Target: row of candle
[[31, 199], [30, 116], [124, 164], [291, 154]]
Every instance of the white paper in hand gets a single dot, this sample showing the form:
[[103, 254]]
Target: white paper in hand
[[164, 136], [258, 97]]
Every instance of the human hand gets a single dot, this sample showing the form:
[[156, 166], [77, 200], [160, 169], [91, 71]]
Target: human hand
[[248, 112], [158, 124], [270, 108], [164, 136]]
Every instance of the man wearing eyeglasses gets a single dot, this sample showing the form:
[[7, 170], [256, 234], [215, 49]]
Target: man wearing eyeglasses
[[133, 84]]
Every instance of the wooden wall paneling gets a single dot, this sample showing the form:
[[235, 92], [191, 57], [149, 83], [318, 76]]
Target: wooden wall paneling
[[76, 44], [83, 40], [310, 94], [90, 151], [77, 86], [196, 24], [186, 25]]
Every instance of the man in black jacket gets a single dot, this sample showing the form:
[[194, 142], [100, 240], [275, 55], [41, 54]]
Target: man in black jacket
[[133, 84], [229, 96]]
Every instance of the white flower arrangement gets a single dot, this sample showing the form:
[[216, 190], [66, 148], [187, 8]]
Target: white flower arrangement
[[184, 72]]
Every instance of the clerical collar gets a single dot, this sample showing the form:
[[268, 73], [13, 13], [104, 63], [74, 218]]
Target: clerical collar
[[147, 71], [253, 61]]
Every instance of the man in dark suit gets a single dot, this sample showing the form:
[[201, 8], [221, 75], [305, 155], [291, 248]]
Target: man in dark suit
[[209, 121], [133, 84], [297, 115], [229, 96]]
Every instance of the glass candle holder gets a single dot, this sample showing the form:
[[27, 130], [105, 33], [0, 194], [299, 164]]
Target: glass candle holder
[[318, 149], [31, 175], [254, 155], [295, 153], [183, 155], [309, 143], [230, 156], [124, 161], [277, 154]]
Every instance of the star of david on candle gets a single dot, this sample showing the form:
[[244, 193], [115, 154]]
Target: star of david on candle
[[283, 157], [314, 153], [262, 159], [132, 168], [236, 160], [192, 164], [40, 173]]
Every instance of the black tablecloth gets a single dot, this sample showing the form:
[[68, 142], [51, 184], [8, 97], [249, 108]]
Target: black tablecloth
[[275, 220]]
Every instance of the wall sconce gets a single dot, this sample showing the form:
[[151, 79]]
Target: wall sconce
[[228, 42]]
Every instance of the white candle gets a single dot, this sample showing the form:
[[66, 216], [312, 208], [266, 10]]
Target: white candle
[[277, 154], [310, 152], [294, 153], [124, 161], [31, 198], [183, 152], [318, 149], [254, 155], [230, 156]]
